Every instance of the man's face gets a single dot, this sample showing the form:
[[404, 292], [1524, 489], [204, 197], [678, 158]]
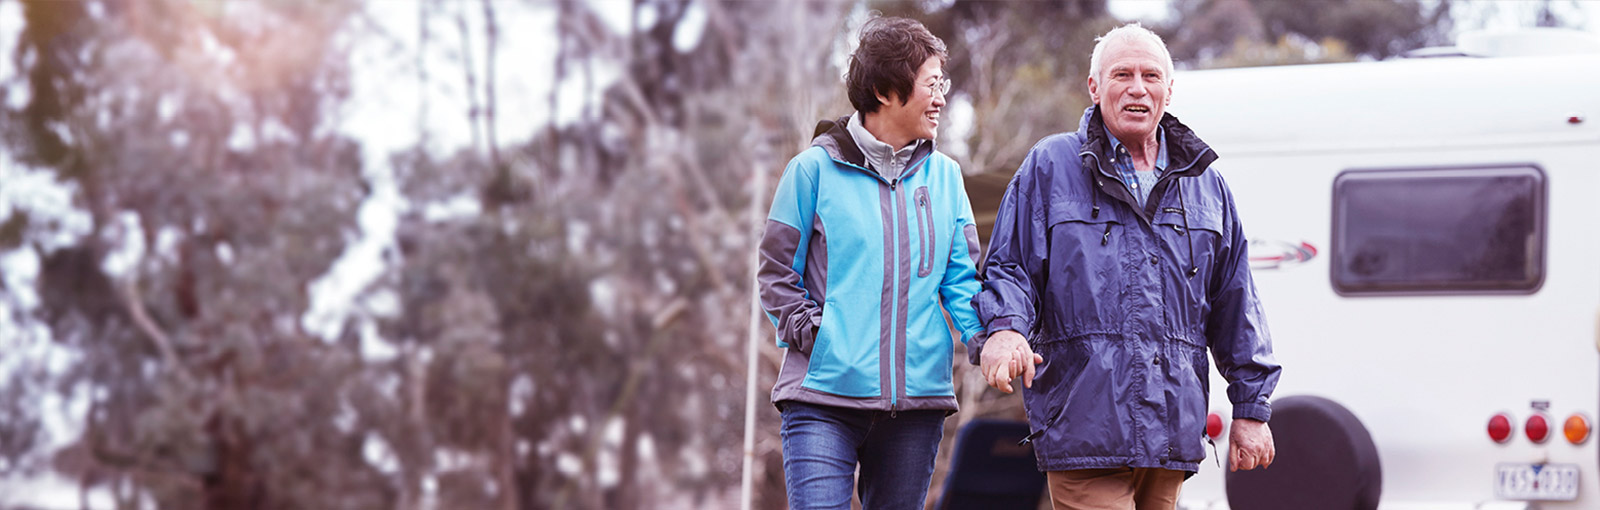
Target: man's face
[[918, 118], [1132, 89]]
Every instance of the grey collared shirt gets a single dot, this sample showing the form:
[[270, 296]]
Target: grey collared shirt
[[880, 156]]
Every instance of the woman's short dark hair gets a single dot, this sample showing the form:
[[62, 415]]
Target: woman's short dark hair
[[887, 60]]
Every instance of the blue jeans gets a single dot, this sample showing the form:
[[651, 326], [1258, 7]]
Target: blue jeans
[[823, 444]]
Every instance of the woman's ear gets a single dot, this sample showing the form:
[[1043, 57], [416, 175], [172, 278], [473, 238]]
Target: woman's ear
[[882, 99]]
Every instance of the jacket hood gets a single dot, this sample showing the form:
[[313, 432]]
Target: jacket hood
[[833, 136], [1187, 154]]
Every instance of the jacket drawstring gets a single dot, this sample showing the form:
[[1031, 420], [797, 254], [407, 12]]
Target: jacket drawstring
[[1094, 212], [1194, 269], [1094, 197]]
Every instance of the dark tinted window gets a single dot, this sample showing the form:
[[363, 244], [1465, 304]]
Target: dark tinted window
[[1458, 230]]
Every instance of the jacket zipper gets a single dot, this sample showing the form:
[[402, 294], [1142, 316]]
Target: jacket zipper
[[925, 232], [899, 216], [1042, 428], [894, 186]]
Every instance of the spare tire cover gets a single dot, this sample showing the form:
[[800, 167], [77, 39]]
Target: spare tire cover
[[1325, 460]]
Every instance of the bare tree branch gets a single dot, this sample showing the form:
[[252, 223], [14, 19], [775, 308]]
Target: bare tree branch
[[493, 36], [470, 72], [133, 302]]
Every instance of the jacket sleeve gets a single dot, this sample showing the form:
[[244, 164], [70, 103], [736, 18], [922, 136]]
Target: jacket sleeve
[[1015, 259], [782, 258], [1236, 329], [960, 282]]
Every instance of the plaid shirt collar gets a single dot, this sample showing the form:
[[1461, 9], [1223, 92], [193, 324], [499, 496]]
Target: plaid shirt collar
[[1119, 158]]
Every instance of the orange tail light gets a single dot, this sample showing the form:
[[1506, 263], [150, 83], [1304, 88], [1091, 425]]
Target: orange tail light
[[1576, 428]]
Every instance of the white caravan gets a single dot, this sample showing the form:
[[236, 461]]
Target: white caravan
[[1425, 236]]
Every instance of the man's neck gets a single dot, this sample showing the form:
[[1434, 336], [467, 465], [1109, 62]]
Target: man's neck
[[876, 125], [1144, 152]]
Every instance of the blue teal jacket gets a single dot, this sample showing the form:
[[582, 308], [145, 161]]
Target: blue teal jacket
[[1123, 302], [854, 268]]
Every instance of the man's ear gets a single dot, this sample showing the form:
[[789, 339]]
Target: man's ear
[[1094, 97]]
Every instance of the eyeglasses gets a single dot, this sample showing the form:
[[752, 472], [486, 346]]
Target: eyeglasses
[[940, 87]]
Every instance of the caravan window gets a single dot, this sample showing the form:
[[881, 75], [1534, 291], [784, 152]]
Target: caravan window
[[1439, 230]]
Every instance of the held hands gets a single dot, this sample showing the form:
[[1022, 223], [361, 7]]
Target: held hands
[[1250, 445], [1005, 356]]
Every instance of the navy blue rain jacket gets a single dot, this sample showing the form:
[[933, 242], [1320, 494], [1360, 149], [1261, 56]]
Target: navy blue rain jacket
[[1123, 302]]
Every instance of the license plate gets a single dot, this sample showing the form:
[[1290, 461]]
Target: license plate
[[1536, 481]]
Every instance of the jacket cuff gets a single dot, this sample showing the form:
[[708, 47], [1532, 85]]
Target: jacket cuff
[[968, 336], [805, 331], [975, 346], [1253, 411], [1011, 322]]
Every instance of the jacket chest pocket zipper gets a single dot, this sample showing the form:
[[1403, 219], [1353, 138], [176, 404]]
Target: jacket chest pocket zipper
[[925, 228]]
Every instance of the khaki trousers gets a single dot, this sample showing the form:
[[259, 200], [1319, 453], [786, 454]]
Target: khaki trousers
[[1115, 489]]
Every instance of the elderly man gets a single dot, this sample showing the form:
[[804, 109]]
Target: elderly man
[[1117, 260]]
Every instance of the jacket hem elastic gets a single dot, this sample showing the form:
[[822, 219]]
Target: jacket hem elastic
[[810, 396], [1071, 463]]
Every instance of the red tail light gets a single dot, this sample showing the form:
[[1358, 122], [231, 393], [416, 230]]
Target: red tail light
[[1214, 425], [1537, 428], [1500, 428]]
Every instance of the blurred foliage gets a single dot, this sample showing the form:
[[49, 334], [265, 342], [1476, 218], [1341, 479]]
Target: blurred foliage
[[190, 355], [578, 342], [643, 203], [1231, 33], [578, 339], [1239, 33]]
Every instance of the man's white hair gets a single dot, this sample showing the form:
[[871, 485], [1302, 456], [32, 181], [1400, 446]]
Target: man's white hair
[[1129, 33]]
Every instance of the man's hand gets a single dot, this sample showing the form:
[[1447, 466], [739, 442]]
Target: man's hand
[[1250, 445], [1005, 356]]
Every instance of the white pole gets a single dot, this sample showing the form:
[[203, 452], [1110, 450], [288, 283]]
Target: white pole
[[746, 486]]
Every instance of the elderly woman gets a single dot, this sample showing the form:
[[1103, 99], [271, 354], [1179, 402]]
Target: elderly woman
[[870, 233]]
